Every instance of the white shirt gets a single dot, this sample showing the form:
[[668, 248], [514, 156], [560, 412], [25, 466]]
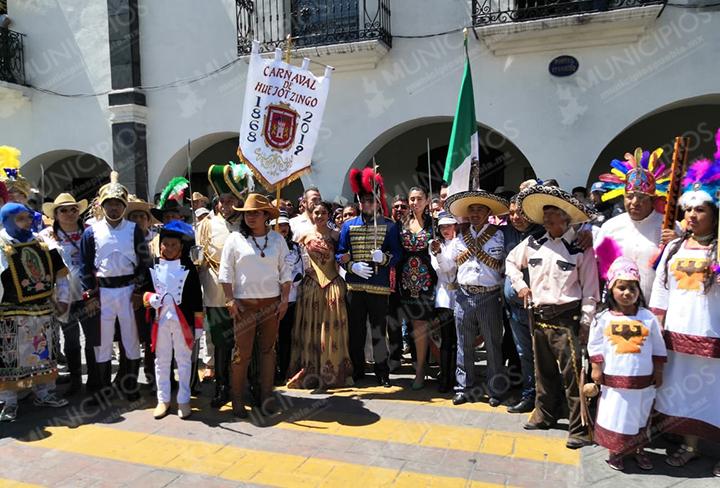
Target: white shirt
[[252, 275], [473, 272], [559, 273], [445, 289], [114, 249], [639, 241], [300, 225]]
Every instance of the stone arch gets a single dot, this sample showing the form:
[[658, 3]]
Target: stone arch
[[697, 118], [401, 153], [215, 148], [67, 170]]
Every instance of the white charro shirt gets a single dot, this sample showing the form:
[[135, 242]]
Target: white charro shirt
[[251, 274], [473, 272], [559, 272]]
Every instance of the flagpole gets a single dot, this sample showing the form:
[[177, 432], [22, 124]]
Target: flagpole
[[376, 202], [189, 169], [430, 186]]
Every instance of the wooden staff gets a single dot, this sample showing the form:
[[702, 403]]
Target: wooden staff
[[677, 170]]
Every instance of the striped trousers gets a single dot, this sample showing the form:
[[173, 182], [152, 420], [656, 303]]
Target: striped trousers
[[475, 315]]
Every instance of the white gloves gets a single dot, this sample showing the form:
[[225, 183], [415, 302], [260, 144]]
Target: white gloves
[[378, 256], [363, 270]]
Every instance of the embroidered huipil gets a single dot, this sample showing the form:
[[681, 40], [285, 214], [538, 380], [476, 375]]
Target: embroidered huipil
[[417, 276]]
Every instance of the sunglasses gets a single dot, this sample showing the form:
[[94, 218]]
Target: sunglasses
[[400, 207], [64, 210]]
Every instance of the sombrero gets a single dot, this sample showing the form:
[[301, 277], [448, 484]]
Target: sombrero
[[136, 204], [63, 200], [458, 203], [533, 199], [256, 201]]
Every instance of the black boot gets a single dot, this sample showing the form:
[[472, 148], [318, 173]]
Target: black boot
[[93, 383], [222, 377], [130, 382], [105, 391], [149, 367], [74, 359]]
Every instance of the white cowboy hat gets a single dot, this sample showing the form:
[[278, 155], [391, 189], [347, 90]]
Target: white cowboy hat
[[64, 200]]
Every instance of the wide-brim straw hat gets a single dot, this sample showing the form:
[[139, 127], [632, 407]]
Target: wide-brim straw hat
[[136, 204], [534, 199], [256, 201], [458, 203], [64, 200]]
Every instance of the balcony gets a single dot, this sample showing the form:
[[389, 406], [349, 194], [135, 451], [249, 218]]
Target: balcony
[[346, 34], [12, 61], [521, 26]]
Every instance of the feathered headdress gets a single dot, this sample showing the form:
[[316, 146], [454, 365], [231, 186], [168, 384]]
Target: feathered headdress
[[361, 183], [702, 180], [175, 190], [10, 176], [642, 172]]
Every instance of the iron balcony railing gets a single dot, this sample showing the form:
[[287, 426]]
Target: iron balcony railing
[[488, 12], [311, 22], [12, 61]]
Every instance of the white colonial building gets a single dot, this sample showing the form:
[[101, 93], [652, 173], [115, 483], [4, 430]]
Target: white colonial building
[[561, 86]]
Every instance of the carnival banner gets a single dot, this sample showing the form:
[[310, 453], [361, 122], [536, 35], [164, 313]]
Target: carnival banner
[[282, 113]]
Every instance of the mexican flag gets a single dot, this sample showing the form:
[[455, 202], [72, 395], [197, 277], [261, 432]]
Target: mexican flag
[[464, 143]]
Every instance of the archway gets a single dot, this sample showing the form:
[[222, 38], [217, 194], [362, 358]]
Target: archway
[[75, 172], [697, 118], [401, 154], [218, 148]]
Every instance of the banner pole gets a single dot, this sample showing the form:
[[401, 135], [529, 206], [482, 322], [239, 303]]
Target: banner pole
[[288, 50]]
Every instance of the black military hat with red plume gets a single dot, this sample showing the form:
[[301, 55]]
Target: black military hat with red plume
[[361, 183]]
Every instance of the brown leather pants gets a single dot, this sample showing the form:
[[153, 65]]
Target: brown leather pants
[[256, 315]]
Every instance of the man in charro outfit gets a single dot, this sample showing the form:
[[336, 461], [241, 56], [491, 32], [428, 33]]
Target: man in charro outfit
[[563, 289], [114, 254], [30, 273], [369, 247], [477, 255], [231, 183]]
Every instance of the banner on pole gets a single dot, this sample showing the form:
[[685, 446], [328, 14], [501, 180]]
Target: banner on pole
[[282, 114]]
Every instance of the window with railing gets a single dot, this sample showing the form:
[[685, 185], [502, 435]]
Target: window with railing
[[12, 61], [311, 22], [487, 12]]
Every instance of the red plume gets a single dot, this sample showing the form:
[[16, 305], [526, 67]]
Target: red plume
[[355, 180], [367, 180]]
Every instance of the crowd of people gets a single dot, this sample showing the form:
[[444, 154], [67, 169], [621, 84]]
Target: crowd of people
[[541, 279]]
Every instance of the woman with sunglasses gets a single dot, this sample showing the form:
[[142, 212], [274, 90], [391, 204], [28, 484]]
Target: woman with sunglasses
[[64, 235]]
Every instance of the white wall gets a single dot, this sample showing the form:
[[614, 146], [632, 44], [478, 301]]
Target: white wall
[[560, 125], [66, 50]]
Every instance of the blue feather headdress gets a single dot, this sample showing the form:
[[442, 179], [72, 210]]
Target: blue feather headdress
[[702, 180]]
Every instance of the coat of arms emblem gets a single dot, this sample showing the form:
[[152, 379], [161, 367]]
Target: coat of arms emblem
[[280, 126]]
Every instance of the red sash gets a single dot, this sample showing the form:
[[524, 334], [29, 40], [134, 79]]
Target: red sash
[[188, 334]]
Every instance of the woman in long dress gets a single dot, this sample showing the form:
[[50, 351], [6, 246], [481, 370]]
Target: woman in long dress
[[686, 299], [320, 357]]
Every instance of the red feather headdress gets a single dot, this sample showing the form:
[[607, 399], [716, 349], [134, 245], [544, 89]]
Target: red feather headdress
[[361, 182]]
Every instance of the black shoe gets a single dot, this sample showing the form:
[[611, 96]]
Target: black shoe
[[577, 442], [539, 426], [523, 406], [459, 398], [384, 381], [222, 396], [494, 402]]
